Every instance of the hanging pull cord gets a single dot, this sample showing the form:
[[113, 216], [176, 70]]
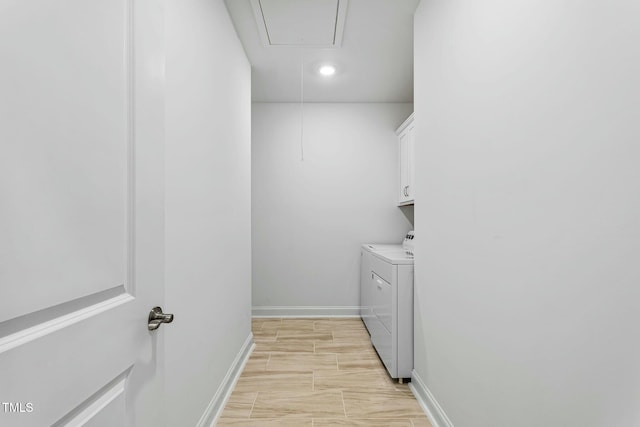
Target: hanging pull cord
[[301, 107]]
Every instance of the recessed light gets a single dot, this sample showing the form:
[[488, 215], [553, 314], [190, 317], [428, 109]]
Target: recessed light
[[327, 70]]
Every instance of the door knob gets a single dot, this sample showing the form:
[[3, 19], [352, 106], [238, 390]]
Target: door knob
[[157, 318]]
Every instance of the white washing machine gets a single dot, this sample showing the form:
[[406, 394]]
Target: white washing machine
[[386, 303]]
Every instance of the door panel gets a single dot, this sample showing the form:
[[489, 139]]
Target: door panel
[[63, 169], [104, 410], [81, 190]]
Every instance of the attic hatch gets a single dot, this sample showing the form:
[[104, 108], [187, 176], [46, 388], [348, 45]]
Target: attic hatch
[[300, 23]]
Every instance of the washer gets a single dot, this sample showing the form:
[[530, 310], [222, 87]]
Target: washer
[[386, 304]]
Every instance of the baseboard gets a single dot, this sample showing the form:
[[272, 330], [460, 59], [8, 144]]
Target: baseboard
[[305, 311], [429, 404], [216, 405]]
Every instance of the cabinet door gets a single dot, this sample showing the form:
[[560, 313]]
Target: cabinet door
[[410, 162], [404, 168], [406, 143]]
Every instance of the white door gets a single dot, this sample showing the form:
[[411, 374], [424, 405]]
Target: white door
[[81, 212]]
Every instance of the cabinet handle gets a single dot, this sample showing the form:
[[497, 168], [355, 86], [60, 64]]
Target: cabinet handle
[[405, 191]]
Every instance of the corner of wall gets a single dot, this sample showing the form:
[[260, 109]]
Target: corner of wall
[[215, 407], [429, 404]]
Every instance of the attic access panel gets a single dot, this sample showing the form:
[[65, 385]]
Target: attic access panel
[[298, 23]]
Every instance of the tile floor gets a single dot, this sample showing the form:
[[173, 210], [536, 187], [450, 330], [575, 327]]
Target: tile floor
[[318, 373]]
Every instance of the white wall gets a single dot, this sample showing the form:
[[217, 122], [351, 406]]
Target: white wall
[[528, 207], [208, 241], [310, 217]]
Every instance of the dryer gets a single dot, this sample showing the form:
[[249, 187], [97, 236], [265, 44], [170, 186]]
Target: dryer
[[386, 300]]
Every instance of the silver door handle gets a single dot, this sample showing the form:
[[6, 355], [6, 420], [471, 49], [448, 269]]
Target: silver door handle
[[157, 318]]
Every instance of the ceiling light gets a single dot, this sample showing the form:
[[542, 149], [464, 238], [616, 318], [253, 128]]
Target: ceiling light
[[327, 70]]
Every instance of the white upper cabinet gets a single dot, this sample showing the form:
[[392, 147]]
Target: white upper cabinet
[[406, 144]]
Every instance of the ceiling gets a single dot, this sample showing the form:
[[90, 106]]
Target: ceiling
[[287, 40]]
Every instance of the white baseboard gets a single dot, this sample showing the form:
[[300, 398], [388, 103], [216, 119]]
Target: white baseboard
[[216, 405], [305, 311], [429, 404]]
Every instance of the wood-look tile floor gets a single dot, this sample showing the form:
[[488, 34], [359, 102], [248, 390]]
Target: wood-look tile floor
[[318, 373]]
